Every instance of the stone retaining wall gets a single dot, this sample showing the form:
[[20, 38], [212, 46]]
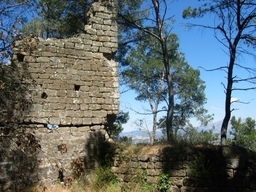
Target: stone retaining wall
[[191, 169]]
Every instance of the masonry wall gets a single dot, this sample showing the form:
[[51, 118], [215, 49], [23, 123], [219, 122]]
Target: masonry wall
[[72, 81], [65, 97], [202, 168]]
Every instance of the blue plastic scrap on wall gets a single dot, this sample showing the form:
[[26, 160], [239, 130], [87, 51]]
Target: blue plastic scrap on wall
[[52, 126]]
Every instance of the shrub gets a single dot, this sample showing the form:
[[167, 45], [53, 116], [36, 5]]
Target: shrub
[[164, 183]]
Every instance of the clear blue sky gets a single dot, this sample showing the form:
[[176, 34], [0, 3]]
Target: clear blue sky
[[201, 49]]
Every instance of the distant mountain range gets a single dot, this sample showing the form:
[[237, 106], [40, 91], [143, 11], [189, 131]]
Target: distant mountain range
[[216, 126], [142, 137]]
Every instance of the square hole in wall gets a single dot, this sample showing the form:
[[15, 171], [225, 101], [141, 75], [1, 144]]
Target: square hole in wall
[[20, 57], [44, 95], [77, 87]]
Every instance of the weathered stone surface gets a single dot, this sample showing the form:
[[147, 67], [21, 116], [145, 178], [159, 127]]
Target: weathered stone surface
[[70, 85], [217, 173]]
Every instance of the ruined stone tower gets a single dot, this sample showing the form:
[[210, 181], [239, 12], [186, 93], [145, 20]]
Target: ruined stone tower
[[70, 98]]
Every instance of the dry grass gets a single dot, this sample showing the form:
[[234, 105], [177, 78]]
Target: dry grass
[[57, 188], [76, 188], [142, 149]]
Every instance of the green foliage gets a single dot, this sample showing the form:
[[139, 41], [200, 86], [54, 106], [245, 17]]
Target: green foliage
[[138, 148], [59, 19], [104, 177], [190, 135], [13, 14], [145, 73], [189, 96], [193, 137], [200, 171], [235, 38], [194, 12], [117, 128], [104, 156], [128, 10], [104, 153], [244, 133], [127, 141], [164, 183], [142, 180]]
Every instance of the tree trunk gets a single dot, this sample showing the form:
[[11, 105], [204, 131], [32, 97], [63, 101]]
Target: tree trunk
[[168, 74], [169, 119], [153, 135], [226, 119]]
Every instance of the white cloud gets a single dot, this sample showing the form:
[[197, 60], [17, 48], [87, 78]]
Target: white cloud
[[233, 99], [217, 108]]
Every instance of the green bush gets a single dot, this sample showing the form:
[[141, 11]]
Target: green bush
[[164, 183], [104, 177], [243, 133], [200, 170], [142, 184]]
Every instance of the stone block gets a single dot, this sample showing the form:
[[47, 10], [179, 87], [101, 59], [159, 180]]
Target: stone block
[[177, 173], [79, 46], [109, 44], [84, 107], [174, 189], [105, 50], [51, 49], [104, 38], [235, 163], [158, 165], [177, 181], [134, 164], [105, 27], [145, 165], [97, 26], [97, 20], [77, 121], [152, 180], [69, 45], [187, 189], [54, 120], [153, 172], [43, 60], [90, 31], [95, 127]]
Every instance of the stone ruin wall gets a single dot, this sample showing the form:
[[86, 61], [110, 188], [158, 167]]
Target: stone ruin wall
[[190, 169], [71, 84], [72, 81]]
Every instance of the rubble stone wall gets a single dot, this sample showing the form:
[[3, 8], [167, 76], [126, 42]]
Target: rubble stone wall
[[72, 81], [202, 168], [67, 97]]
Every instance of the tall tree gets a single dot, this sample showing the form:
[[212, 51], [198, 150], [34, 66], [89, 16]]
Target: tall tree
[[59, 19], [145, 75], [192, 136], [150, 17], [117, 128], [13, 14], [12, 17], [244, 132], [235, 28], [189, 96]]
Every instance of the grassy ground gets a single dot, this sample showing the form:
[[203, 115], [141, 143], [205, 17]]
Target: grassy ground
[[115, 187], [104, 181]]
